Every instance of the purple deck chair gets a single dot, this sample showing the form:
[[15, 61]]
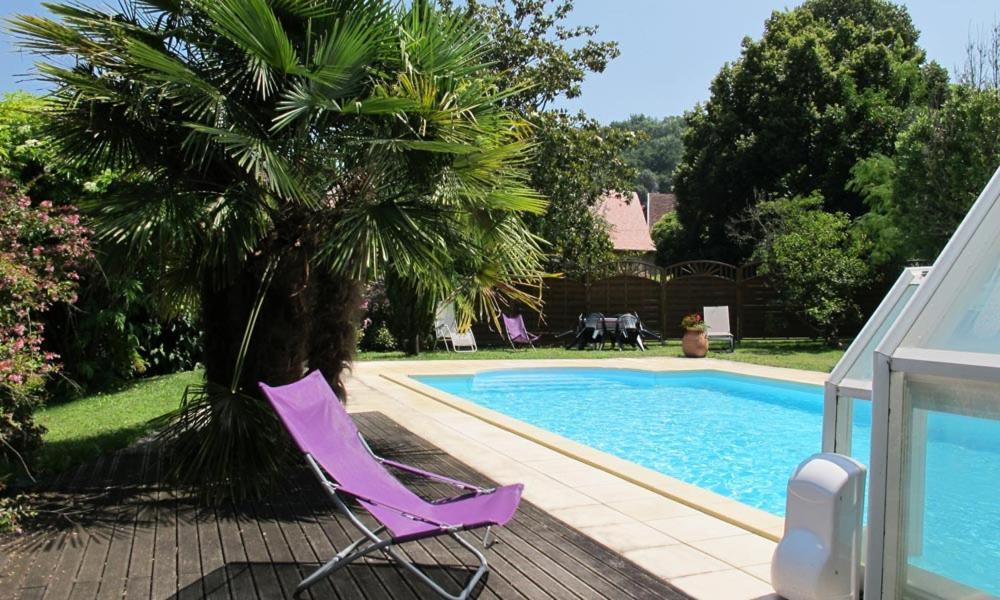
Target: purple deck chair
[[517, 332], [345, 465]]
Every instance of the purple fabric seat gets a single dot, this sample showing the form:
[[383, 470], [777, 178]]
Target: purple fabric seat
[[517, 332], [325, 433]]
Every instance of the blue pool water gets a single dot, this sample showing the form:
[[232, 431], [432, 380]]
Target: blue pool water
[[742, 437]]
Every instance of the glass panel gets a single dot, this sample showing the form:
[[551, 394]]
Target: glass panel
[[950, 517], [964, 312], [861, 430], [861, 441], [862, 367]]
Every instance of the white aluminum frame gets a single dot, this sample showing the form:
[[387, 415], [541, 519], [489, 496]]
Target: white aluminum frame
[[838, 410], [890, 412]]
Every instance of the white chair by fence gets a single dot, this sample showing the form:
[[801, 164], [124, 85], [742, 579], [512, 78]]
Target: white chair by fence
[[446, 330], [717, 320]]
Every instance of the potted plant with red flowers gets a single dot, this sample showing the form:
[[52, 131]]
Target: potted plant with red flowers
[[695, 341]]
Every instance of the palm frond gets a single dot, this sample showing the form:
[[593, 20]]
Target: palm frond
[[194, 94], [368, 237], [261, 160], [253, 27]]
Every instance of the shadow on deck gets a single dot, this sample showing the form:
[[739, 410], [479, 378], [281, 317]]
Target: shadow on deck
[[115, 530]]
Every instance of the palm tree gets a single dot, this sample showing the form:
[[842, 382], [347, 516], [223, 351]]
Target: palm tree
[[277, 154]]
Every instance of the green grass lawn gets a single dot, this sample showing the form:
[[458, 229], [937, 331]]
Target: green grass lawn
[[84, 428], [795, 354]]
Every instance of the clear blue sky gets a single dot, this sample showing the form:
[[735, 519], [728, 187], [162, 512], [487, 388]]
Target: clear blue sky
[[671, 49]]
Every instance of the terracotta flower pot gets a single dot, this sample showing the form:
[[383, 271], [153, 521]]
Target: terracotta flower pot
[[695, 343]]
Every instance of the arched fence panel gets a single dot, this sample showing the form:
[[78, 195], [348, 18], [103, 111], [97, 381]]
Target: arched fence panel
[[662, 296], [691, 293], [639, 294]]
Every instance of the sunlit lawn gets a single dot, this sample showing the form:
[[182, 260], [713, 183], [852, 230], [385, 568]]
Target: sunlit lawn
[[86, 427]]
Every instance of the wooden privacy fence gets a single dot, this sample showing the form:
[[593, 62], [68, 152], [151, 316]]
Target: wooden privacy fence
[[662, 296]]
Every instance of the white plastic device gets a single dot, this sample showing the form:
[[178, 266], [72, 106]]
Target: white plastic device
[[819, 556]]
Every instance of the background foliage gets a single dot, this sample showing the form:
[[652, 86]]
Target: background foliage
[[942, 160], [41, 248], [829, 83], [815, 258], [577, 159], [657, 153], [116, 329]]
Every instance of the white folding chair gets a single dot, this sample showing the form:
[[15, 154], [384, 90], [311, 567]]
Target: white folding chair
[[717, 320]]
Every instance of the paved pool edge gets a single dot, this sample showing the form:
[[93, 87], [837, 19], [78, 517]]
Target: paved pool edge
[[721, 507]]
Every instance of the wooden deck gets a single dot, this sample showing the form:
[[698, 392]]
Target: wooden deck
[[125, 534]]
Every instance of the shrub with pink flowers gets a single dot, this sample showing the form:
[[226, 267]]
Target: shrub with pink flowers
[[41, 248]]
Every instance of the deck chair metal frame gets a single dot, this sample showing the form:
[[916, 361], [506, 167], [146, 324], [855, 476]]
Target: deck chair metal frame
[[442, 331], [522, 335], [348, 469], [358, 549], [446, 330]]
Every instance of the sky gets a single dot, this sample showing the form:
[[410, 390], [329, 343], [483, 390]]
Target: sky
[[671, 49]]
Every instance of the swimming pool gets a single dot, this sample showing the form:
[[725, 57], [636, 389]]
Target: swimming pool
[[741, 437]]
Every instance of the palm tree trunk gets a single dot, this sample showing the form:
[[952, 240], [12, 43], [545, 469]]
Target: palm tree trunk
[[307, 321], [412, 312], [335, 316]]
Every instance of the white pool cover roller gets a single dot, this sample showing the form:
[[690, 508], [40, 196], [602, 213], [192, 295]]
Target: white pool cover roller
[[819, 557]]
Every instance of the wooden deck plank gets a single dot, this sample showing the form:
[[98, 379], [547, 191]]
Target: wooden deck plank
[[597, 558], [389, 578], [213, 564], [355, 580], [76, 539], [189, 574], [141, 557], [32, 561], [282, 560], [150, 540], [265, 577], [596, 579], [34, 570], [125, 534], [163, 576], [235, 563], [88, 578]]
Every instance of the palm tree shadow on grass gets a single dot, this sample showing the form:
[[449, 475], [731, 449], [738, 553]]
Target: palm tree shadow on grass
[[60, 455]]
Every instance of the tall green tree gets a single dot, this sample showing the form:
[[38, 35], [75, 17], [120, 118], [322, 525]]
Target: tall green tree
[[817, 260], [668, 235], [284, 152], [920, 194], [535, 51], [578, 160], [542, 58], [829, 83], [658, 153]]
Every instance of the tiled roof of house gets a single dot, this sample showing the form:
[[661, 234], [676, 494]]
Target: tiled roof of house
[[659, 205], [628, 227]]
